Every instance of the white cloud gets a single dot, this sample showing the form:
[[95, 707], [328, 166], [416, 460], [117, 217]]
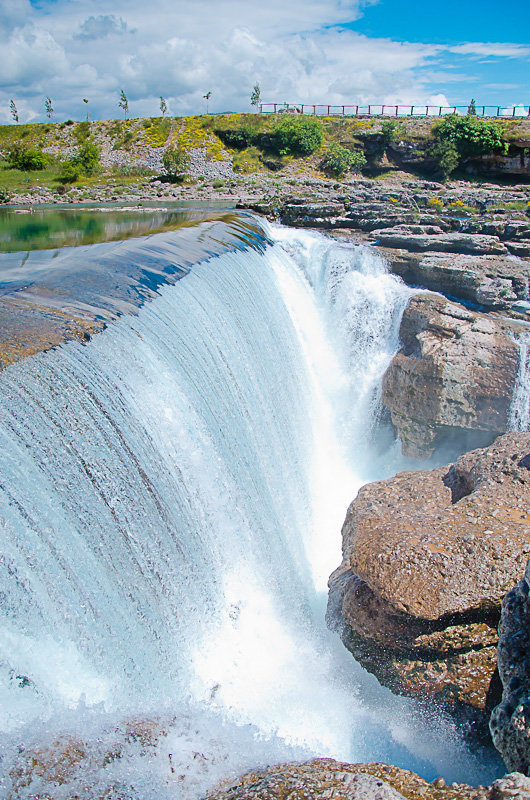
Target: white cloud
[[492, 49]]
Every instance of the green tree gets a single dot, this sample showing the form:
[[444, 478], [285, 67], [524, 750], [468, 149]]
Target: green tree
[[207, 98], [163, 106], [87, 157], [123, 103], [85, 101], [48, 107], [297, 136], [13, 109], [176, 161], [255, 97], [472, 108]]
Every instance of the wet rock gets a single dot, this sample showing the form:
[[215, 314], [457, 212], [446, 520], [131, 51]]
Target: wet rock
[[427, 559], [455, 373], [510, 720], [327, 778]]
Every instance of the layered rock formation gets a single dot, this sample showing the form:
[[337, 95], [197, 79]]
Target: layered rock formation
[[326, 778], [427, 559], [510, 720], [455, 373]]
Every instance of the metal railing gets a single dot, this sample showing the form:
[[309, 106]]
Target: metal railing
[[379, 110]]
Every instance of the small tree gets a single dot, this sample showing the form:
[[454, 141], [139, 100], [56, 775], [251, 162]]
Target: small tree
[[124, 103], [472, 108], [163, 106], [255, 97], [85, 101], [13, 109], [175, 162], [48, 106], [207, 97]]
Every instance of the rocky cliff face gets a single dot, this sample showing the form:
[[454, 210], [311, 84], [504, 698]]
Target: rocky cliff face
[[427, 558], [510, 720], [455, 373]]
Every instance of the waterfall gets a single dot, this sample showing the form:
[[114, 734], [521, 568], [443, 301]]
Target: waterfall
[[171, 497], [520, 406]]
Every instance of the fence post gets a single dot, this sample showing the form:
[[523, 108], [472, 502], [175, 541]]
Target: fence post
[[426, 111], [483, 111], [498, 111], [356, 111], [513, 112], [440, 111], [369, 110], [412, 111], [454, 109], [397, 109], [314, 111], [382, 111]]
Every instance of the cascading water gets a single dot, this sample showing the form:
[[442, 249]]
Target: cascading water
[[171, 497], [520, 407]]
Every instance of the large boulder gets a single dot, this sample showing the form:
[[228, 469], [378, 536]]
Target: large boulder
[[427, 559], [455, 373], [510, 720]]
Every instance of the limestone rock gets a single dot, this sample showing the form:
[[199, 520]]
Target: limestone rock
[[510, 720], [427, 559], [327, 778], [455, 372], [424, 237], [490, 281]]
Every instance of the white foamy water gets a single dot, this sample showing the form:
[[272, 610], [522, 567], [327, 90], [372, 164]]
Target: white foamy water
[[520, 407], [171, 498]]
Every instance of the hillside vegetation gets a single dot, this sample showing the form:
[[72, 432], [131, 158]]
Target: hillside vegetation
[[118, 152]]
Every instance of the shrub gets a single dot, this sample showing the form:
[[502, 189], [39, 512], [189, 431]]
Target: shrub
[[70, 172], [82, 131], [339, 160], [297, 136], [388, 131], [175, 161], [435, 203], [471, 135], [239, 139], [446, 158], [26, 158], [87, 158]]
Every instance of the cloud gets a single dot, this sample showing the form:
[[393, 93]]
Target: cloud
[[497, 50], [301, 51], [101, 26]]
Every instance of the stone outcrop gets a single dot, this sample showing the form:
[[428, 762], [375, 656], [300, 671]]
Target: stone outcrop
[[433, 238], [427, 559], [455, 373], [493, 282], [327, 778], [510, 720]]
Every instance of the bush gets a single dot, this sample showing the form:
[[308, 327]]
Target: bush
[[471, 136], [26, 158], [446, 158], [70, 172], [297, 136], [87, 158], [389, 129], [239, 139], [339, 160], [175, 162]]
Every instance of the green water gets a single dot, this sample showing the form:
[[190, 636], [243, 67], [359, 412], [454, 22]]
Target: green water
[[50, 228]]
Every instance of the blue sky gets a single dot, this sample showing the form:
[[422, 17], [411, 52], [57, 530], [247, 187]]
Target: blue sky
[[311, 51]]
